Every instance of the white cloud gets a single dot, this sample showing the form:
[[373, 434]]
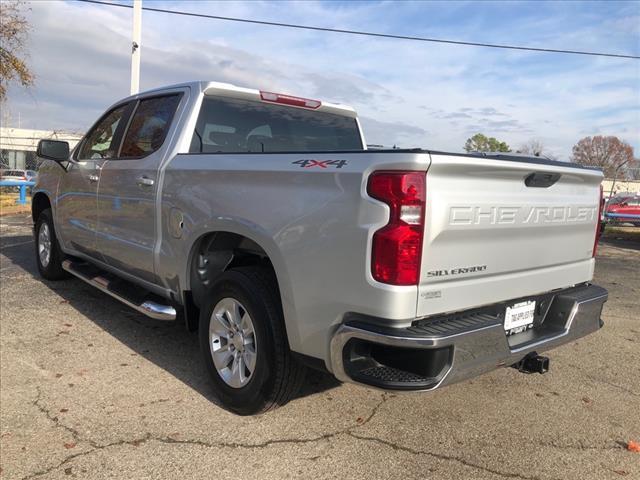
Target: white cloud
[[411, 94]]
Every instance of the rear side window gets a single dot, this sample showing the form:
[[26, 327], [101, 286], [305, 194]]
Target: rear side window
[[234, 126], [149, 126]]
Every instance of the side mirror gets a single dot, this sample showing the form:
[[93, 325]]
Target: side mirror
[[55, 150]]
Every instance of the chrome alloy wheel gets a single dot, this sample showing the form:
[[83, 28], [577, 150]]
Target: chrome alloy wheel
[[232, 341], [44, 244]]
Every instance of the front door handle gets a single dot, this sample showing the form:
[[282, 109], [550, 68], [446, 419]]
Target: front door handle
[[145, 181], [94, 178]]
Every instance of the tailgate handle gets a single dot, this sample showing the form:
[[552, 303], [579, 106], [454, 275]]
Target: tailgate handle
[[541, 180]]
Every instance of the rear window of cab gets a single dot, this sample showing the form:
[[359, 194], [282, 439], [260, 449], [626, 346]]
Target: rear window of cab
[[228, 125]]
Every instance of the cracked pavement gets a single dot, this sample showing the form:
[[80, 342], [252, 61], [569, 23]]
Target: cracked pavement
[[91, 389]]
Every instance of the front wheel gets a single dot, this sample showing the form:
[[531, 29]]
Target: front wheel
[[244, 345], [48, 254]]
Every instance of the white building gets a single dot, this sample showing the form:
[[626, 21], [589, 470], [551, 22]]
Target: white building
[[18, 145], [620, 186]]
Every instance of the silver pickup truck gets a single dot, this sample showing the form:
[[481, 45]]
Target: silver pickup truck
[[262, 221]]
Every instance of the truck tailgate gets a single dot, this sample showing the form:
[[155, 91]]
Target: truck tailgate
[[501, 229]]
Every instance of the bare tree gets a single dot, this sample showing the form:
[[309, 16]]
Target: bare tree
[[609, 153], [536, 148], [14, 30]]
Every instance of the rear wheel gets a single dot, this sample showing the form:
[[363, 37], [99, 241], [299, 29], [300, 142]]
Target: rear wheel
[[244, 344], [48, 254], [232, 340]]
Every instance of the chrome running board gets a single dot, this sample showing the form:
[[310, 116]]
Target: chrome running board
[[144, 302]]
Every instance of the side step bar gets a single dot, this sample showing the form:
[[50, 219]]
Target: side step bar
[[144, 302]]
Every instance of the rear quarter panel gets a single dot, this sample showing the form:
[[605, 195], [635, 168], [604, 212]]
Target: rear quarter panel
[[314, 223]]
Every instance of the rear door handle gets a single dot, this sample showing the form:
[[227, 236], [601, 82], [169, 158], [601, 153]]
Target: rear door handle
[[94, 178], [145, 181]]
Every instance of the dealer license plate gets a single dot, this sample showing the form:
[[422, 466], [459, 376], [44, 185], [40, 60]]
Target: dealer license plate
[[519, 317]]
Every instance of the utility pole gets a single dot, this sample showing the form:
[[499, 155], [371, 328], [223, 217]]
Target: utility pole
[[136, 40]]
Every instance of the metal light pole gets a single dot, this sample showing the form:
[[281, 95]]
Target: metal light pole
[[136, 40]]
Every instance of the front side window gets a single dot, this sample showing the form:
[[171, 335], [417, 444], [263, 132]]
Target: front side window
[[228, 125], [101, 141], [149, 126]]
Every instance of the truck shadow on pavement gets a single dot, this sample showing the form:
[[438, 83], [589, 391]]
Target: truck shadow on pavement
[[167, 344]]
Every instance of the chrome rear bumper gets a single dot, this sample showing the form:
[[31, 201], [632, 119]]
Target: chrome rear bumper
[[434, 353]]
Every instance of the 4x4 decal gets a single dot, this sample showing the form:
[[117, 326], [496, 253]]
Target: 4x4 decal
[[308, 163]]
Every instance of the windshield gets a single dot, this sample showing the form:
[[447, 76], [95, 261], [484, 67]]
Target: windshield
[[618, 199]]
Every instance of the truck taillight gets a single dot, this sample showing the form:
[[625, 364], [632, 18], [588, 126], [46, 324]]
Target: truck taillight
[[598, 221], [289, 100], [397, 247]]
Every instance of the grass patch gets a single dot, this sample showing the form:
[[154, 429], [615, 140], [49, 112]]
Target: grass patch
[[622, 233], [9, 199], [9, 205]]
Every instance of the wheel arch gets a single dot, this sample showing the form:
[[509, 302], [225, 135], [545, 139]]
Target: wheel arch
[[225, 249], [39, 203], [215, 252]]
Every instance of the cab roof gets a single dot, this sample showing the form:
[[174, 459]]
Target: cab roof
[[229, 90]]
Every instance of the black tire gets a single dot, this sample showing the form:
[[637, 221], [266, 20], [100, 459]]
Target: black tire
[[52, 270], [277, 375]]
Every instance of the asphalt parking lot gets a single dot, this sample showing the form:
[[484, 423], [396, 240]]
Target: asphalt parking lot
[[91, 389]]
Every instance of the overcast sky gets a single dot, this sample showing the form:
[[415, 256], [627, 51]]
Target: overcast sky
[[407, 93]]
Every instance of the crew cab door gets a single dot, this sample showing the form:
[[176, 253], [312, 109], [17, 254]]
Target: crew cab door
[[128, 186], [76, 206]]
